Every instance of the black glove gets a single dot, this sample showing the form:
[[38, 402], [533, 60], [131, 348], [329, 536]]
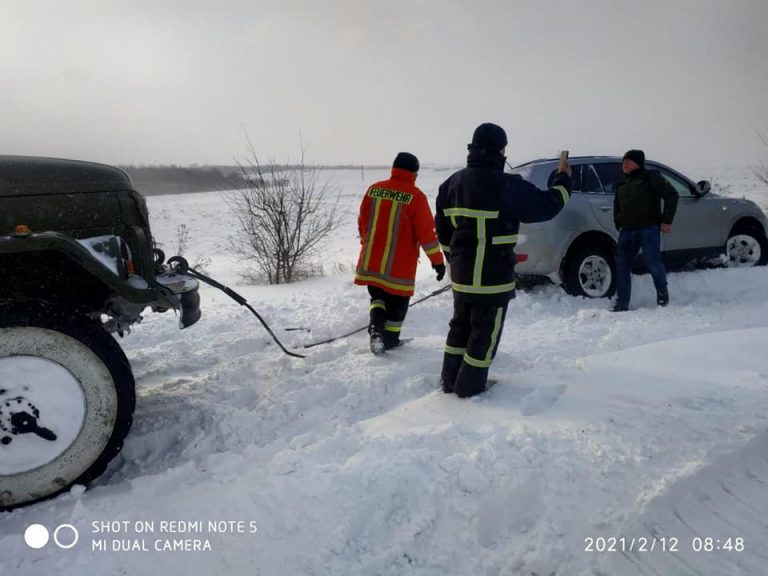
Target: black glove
[[440, 270], [562, 179]]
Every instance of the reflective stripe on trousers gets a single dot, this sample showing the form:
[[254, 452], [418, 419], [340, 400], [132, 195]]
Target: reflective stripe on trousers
[[474, 334]]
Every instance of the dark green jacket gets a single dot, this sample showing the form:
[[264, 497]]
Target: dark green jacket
[[638, 198]]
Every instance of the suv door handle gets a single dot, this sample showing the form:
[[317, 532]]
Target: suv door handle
[[606, 208]]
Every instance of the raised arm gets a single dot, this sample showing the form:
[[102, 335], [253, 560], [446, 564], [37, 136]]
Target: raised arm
[[527, 203]]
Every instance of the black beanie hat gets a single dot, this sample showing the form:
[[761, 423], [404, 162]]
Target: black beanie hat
[[406, 161], [637, 156], [489, 136]]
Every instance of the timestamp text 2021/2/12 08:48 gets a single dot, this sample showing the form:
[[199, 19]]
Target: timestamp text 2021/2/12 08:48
[[669, 544]]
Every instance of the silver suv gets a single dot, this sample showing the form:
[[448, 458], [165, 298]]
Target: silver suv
[[577, 249]]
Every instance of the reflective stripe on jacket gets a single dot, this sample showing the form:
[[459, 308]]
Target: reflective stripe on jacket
[[479, 210], [394, 221]]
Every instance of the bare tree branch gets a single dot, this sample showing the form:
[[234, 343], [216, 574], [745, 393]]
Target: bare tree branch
[[283, 216]]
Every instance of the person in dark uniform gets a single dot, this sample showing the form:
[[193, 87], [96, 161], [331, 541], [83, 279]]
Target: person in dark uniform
[[479, 210], [640, 221]]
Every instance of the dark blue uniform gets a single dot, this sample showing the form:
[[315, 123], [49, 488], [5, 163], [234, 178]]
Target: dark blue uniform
[[479, 211]]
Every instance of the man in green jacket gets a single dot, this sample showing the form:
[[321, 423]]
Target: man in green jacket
[[640, 220]]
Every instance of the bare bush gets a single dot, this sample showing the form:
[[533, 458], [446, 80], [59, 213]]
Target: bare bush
[[284, 214], [182, 239], [199, 262], [340, 268]]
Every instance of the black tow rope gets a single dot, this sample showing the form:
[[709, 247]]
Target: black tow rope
[[243, 302], [329, 340], [182, 267]]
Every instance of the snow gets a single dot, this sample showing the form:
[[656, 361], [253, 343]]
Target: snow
[[652, 423], [99, 246], [63, 410]]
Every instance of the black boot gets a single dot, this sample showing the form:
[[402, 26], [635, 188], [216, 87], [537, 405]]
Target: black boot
[[471, 381], [391, 339], [451, 365], [378, 318], [377, 342], [662, 296]]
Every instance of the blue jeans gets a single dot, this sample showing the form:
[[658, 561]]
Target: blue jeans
[[630, 242]]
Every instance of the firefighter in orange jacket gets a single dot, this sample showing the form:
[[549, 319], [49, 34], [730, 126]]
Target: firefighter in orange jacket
[[395, 219]]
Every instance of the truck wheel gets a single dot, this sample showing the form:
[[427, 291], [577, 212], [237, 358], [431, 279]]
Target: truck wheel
[[746, 247], [66, 404], [590, 271]]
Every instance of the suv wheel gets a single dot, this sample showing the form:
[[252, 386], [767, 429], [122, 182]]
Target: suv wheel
[[746, 247], [590, 271], [66, 405]]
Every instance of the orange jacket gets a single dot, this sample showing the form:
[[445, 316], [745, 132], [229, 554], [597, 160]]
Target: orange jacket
[[394, 220]]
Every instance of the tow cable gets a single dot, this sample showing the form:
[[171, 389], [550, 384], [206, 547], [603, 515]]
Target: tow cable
[[182, 267], [329, 340]]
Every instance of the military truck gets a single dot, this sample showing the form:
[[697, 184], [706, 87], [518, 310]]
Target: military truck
[[78, 264]]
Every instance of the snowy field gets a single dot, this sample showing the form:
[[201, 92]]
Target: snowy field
[[645, 433]]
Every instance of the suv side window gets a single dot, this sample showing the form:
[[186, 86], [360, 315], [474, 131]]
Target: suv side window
[[603, 177], [576, 173], [680, 185]]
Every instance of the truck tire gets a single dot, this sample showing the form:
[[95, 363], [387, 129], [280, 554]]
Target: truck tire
[[590, 270], [66, 404]]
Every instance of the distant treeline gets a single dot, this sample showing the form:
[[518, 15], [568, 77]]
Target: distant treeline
[[155, 180], [152, 180]]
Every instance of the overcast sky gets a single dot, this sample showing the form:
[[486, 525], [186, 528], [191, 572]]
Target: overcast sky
[[179, 81]]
